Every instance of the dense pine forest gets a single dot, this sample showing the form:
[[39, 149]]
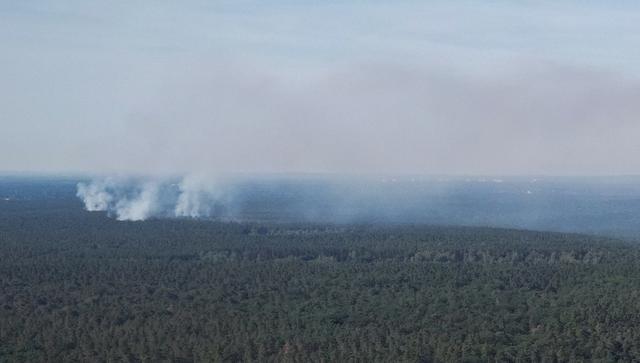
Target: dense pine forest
[[80, 286]]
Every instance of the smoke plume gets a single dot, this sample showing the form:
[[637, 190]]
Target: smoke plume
[[96, 196], [130, 199]]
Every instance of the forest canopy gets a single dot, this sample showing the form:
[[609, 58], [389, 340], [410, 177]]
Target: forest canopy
[[79, 286]]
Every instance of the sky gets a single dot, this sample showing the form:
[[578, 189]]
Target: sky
[[420, 87]]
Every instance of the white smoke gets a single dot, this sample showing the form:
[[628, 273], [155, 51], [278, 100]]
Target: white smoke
[[141, 207], [95, 195], [193, 196], [198, 195]]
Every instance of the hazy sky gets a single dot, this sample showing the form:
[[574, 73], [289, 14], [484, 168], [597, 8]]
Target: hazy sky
[[453, 87]]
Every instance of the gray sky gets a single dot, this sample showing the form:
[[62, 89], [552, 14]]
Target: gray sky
[[453, 87]]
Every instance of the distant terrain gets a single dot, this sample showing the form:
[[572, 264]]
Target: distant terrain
[[606, 206], [82, 286]]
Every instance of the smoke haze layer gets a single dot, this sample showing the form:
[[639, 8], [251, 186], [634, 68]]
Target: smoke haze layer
[[534, 119]]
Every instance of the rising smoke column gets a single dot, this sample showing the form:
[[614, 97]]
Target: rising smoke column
[[95, 195], [199, 195], [190, 201], [125, 199], [141, 206]]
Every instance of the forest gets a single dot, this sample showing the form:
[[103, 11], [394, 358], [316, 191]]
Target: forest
[[80, 286]]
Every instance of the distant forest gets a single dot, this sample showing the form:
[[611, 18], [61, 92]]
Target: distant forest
[[79, 286]]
